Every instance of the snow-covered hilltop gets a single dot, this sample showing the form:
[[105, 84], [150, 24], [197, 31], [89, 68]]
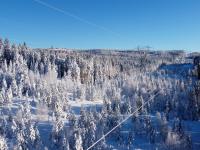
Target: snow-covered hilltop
[[68, 99]]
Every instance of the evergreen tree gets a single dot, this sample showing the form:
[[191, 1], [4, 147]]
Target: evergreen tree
[[1, 44], [58, 134], [9, 96], [3, 143], [140, 103], [11, 127], [1, 98], [14, 88], [78, 141]]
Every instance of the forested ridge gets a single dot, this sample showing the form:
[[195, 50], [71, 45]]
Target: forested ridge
[[68, 99]]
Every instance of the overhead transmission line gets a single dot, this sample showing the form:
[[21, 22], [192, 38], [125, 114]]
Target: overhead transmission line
[[145, 103], [107, 30], [69, 14]]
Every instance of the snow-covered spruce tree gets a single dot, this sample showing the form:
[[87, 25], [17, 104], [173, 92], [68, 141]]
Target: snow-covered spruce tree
[[15, 54], [90, 131], [83, 124], [20, 143], [1, 44], [140, 103], [14, 87], [149, 129], [162, 126], [1, 98], [8, 96], [78, 141], [100, 127], [113, 120], [3, 143], [19, 90], [32, 137], [7, 51], [23, 132], [11, 127], [192, 108], [3, 124], [177, 138], [26, 112], [126, 107], [58, 137], [167, 109], [4, 84], [65, 144]]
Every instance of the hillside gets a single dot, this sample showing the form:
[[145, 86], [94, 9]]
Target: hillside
[[68, 99]]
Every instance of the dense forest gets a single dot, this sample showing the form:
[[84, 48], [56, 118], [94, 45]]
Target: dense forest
[[67, 99]]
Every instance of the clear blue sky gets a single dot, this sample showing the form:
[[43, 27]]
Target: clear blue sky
[[162, 24]]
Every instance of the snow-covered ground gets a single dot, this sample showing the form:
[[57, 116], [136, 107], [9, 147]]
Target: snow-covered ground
[[72, 99]]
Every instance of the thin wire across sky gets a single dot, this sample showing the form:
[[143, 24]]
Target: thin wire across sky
[[69, 14]]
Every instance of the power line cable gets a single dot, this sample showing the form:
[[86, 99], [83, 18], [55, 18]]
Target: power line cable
[[69, 14], [122, 121]]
